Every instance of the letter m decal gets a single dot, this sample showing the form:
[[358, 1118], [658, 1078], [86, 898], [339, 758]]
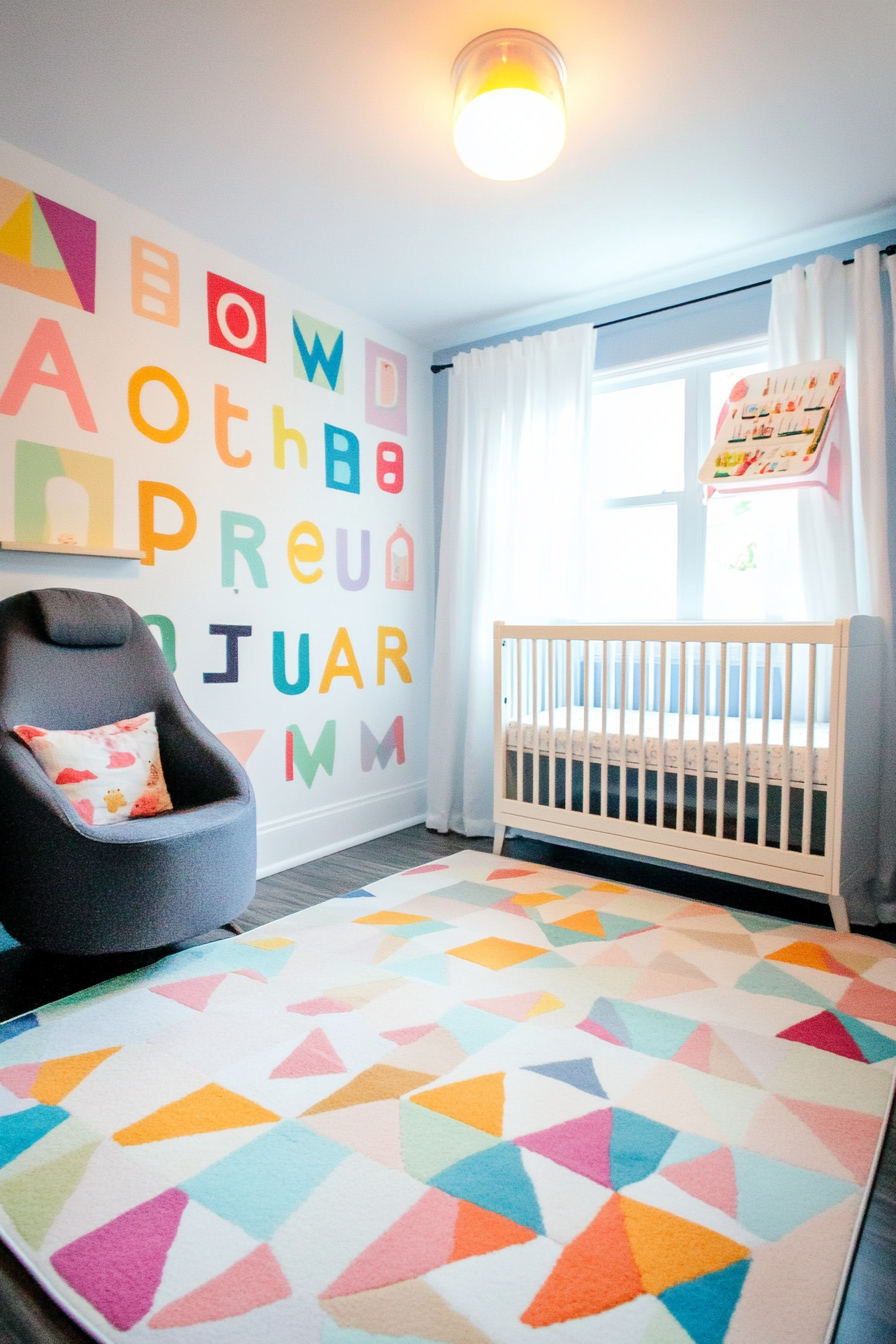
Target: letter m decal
[[305, 761], [371, 750]]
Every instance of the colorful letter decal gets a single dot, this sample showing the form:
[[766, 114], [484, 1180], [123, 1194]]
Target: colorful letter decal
[[165, 627], [151, 540], [303, 678], [247, 547], [46, 248], [393, 653], [342, 646], [151, 373], [81, 514], [390, 467], [236, 318], [400, 560], [282, 434], [306, 762], [317, 352], [371, 750], [345, 580], [300, 552], [386, 384], [233, 634], [342, 454], [155, 282], [225, 411], [47, 340]]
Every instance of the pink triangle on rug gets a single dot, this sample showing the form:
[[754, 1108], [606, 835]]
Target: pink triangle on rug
[[427, 868], [516, 1006], [314, 1007], [500, 874], [509, 907], [191, 993], [825, 1032], [710, 1178], [581, 1145], [255, 1281], [118, 1267], [252, 975], [421, 1240], [313, 1057], [19, 1078], [407, 1035], [851, 1136], [614, 955], [695, 1051]]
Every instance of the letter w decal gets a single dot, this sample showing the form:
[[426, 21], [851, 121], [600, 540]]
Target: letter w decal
[[316, 359], [371, 750], [305, 761]]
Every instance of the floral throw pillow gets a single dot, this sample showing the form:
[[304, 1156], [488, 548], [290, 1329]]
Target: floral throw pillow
[[108, 774]]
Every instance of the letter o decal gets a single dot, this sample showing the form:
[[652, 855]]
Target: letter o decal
[[151, 373], [237, 301]]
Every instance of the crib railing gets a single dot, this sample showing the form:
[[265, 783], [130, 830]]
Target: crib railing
[[712, 739]]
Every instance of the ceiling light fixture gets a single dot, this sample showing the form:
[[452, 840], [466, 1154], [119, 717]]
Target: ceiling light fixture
[[509, 109]]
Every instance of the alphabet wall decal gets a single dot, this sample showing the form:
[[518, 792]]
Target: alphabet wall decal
[[233, 634], [303, 675], [236, 318], [309, 762], [155, 282]]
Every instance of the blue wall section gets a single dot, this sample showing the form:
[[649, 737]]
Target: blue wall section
[[734, 317]]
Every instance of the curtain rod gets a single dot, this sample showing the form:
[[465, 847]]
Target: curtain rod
[[686, 303]]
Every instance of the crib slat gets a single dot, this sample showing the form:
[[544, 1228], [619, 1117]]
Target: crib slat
[[586, 729], [721, 774], [623, 743], [742, 767], [552, 769], [642, 745], [568, 774], [661, 761], [536, 742], [809, 767], [682, 696], [785, 748], [763, 759], [701, 742], [605, 744]]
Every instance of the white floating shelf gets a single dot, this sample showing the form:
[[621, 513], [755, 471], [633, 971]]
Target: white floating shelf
[[55, 548]]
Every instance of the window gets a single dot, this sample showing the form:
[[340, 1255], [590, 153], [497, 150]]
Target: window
[[658, 551]]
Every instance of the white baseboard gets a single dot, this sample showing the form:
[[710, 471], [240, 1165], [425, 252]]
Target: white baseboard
[[290, 841]]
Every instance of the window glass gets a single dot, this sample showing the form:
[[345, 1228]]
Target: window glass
[[752, 558], [638, 437], [635, 563]]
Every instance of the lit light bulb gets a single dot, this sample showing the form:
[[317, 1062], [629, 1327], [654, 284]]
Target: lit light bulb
[[509, 110]]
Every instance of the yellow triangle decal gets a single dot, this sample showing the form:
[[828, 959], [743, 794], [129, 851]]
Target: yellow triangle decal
[[207, 1111], [15, 236]]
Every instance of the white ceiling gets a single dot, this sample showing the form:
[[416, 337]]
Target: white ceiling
[[314, 138]]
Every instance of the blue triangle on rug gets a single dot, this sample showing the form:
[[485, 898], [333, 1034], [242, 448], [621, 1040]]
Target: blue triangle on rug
[[577, 1072]]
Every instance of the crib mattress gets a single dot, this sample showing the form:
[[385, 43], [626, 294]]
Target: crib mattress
[[713, 750]]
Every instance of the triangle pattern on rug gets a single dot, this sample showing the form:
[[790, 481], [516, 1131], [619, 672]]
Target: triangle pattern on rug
[[34, 1198], [577, 1072], [191, 993], [494, 1179], [704, 1306], [206, 1111], [852, 1136], [412, 1311], [381, 1082], [840, 1034], [315, 1056], [710, 1178], [319, 1007], [518, 1007], [255, 1281], [811, 955], [57, 1077], [764, 978], [478, 1102]]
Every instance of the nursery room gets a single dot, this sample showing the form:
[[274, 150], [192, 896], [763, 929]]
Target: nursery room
[[447, 680]]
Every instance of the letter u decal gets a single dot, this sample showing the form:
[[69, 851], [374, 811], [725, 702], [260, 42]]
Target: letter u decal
[[279, 665], [345, 581]]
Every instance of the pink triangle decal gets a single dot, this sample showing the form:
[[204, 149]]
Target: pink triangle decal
[[191, 993], [255, 1281], [19, 1078], [427, 868], [242, 743], [516, 1006], [421, 1240], [710, 1178], [407, 1035], [313, 1057], [118, 1267], [314, 1007]]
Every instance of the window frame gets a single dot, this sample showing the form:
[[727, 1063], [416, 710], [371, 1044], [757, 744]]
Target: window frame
[[695, 368]]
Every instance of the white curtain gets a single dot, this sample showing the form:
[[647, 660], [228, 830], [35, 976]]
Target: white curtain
[[513, 541], [831, 311]]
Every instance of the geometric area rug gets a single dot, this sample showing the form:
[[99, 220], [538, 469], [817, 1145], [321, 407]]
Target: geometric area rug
[[478, 1101]]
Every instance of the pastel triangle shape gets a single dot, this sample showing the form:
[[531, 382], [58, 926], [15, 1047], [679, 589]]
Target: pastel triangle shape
[[242, 743], [867, 1000], [206, 1111], [825, 1031], [44, 252], [255, 1281], [15, 234], [852, 1136], [407, 1035], [517, 1007], [480, 1231], [704, 1306], [593, 1274], [75, 236], [57, 1077], [35, 1197], [710, 1178], [19, 1078], [317, 1007], [420, 1241], [506, 874], [315, 1056], [669, 1249], [118, 1267], [775, 1197], [191, 993], [381, 1082], [478, 1102], [764, 978], [426, 868], [495, 1179], [431, 1142], [577, 1072], [581, 1145]]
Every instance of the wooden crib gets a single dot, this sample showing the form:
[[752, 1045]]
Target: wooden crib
[[752, 750]]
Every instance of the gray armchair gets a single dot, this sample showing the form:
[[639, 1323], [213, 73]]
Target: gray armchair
[[73, 659]]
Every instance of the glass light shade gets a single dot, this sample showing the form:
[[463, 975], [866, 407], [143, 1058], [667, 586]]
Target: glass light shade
[[509, 109]]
